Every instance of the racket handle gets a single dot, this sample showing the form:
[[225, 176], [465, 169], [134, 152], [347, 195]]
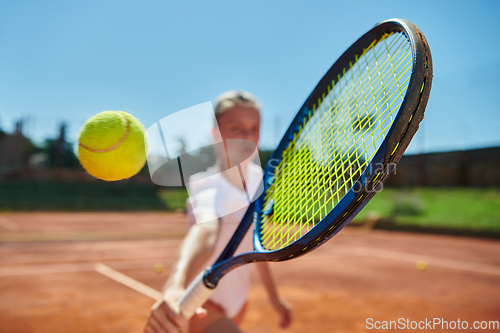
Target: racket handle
[[196, 295]]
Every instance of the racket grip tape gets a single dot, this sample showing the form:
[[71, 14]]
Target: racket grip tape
[[196, 295]]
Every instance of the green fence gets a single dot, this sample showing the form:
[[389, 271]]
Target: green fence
[[69, 196]]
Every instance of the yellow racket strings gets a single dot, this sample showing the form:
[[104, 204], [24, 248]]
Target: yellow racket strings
[[337, 140]]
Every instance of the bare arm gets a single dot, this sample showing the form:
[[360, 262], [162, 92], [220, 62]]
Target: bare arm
[[282, 307], [196, 248]]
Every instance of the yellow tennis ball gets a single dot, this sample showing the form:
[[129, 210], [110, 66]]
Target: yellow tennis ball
[[158, 268], [112, 145], [421, 265]]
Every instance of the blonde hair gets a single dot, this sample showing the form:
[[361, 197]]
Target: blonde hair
[[233, 97]]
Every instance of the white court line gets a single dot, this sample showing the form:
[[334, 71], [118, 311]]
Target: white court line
[[431, 260], [61, 257], [347, 252], [128, 281], [9, 224], [74, 268]]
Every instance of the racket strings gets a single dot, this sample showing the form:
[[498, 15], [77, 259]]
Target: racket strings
[[336, 141]]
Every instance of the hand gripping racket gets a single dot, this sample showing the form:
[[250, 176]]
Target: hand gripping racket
[[342, 145]]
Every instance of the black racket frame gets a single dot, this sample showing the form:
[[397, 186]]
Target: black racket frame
[[397, 140]]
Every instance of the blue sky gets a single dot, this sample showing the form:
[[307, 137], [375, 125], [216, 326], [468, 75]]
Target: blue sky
[[68, 60]]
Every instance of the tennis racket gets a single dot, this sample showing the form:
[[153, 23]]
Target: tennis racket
[[342, 145]]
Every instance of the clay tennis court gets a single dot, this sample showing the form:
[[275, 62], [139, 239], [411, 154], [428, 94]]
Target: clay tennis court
[[48, 281]]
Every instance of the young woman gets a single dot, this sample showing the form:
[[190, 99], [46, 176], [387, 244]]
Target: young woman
[[218, 200]]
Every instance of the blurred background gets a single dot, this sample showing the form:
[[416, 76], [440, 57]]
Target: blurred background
[[62, 62]]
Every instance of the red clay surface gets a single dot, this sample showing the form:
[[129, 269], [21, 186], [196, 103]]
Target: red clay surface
[[51, 286]]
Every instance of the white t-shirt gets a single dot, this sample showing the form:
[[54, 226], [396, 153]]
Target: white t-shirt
[[211, 192]]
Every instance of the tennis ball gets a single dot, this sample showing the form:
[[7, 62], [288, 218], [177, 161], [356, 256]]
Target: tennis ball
[[158, 267], [421, 265], [112, 145]]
